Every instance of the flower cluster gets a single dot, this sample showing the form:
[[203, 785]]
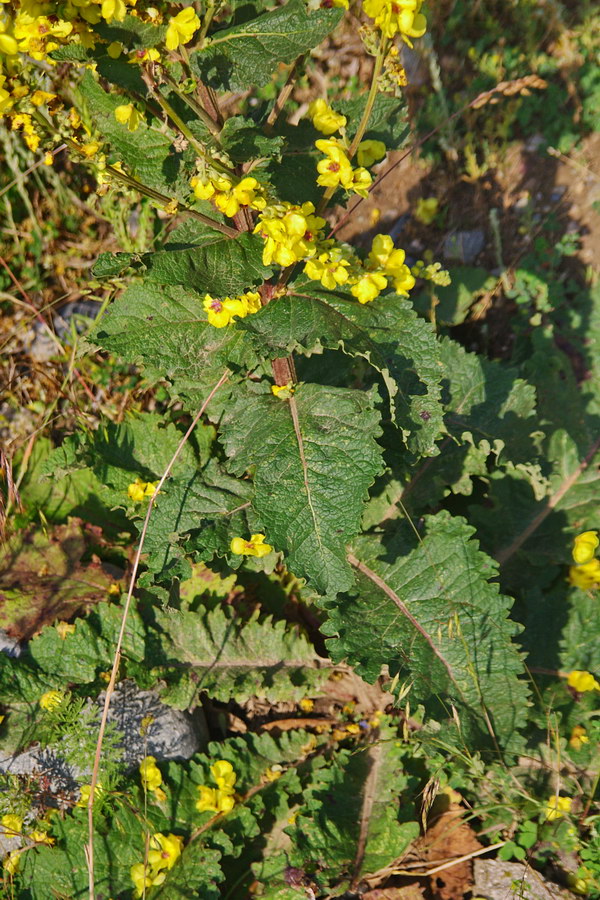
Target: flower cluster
[[290, 233], [221, 312], [336, 170], [254, 547], [219, 799], [165, 850], [151, 777], [585, 574], [12, 826], [403, 17], [228, 195], [138, 490], [36, 28]]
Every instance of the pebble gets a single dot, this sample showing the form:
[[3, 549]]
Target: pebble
[[464, 246]]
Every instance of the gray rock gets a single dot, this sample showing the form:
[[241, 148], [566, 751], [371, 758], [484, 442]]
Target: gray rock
[[80, 310], [170, 735], [464, 246], [498, 880], [9, 645]]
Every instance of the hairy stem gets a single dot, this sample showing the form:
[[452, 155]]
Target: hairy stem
[[193, 104]]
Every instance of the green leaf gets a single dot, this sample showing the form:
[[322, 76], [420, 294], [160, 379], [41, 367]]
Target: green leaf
[[431, 614], [250, 52], [231, 659], [314, 458], [110, 264], [132, 32], [165, 330], [387, 333], [224, 267], [366, 826], [243, 140]]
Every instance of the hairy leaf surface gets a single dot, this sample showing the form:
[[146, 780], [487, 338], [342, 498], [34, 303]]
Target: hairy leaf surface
[[387, 333], [314, 458], [432, 615], [250, 52]]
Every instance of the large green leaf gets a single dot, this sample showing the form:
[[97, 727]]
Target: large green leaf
[[230, 659], [387, 332], [165, 330], [366, 826], [431, 614], [249, 53], [314, 458]]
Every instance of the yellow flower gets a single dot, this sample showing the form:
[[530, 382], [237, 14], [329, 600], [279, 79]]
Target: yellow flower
[[578, 737], [11, 862], [557, 807], [306, 705], [41, 837], [127, 114], [273, 773], [283, 391], [141, 878], [254, 547], [290, 233], [63, 629], [41, 98], [113, 9], [586, 576], [370, 152], [221, 312], [582, 681], [203, 190], [214, 800], [207, 801], [324, 118], [150, 774], [182, 28], [165, 850], [8, 45], [225, 777], [336, 169], [245, 193], [48, 159], [426, 210], [383, 255], [84, 794], [402, 17], [114, 50], [361, 182], [139, 489], [368, 287], [584, 547], [51, 699], [12, 823], [330, 268]]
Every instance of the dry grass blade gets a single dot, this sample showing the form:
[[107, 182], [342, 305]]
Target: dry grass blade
[[89, 849]]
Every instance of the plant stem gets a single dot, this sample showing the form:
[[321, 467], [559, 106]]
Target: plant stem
[[193, 105], [371, 97]]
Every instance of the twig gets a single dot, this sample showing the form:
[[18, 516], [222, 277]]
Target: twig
[[89, 849], [448, 865]]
